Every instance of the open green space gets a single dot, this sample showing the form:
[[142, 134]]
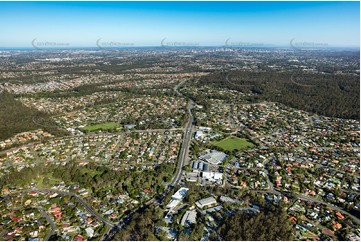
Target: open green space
[[104, 126], [46, 181], [234, 143]]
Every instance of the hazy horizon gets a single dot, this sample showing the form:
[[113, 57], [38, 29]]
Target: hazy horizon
[[147, 24]]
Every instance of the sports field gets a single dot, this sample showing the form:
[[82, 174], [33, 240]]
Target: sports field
[[234, 143], [103, 126]]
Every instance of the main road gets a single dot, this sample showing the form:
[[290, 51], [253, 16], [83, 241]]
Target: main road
[[183, 153], [188, 130], [315, 200]]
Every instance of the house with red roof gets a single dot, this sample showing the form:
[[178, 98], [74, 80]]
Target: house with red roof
[[78, 238], [340, 216]]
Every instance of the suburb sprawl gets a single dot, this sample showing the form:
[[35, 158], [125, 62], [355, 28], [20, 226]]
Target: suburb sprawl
[[179, 144]]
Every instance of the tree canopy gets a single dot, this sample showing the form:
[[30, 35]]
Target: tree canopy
[[271, 224]]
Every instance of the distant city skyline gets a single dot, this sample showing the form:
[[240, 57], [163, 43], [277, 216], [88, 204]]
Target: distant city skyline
[[126, 24]]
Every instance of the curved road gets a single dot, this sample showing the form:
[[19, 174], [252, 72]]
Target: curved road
[[50, 221], [79, 199]]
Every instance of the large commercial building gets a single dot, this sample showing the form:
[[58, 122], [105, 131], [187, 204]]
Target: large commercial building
[[199, 165], [189, 218], [212, 176], [213, 157], [177, 197], [180, 194], [173, 203], [192, 176], [206, 202]]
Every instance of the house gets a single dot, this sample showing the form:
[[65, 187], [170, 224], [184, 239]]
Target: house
[[129, 126], [339, 216], [16, 219], [53, 195], [336, 226], [27, 202], [147, 190], [256, 208], [57, 215], [353, 237], [78, 238], [110, 211], [33, 193], [206, 202], [300, 227], [198, 134], [292, 219], [90, 232], [34, 234], [89, 220], [9, 236]]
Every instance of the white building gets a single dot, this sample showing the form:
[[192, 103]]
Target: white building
[[192, 176], [173, 203], [212, 176], [180, 194], [199, 134], [206, 202], [89, 232], [189, 218]]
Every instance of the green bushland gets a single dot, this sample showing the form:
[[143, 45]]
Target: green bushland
[[324, 94], [271, 224], [15, 118]]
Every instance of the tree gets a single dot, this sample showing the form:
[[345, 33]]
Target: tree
[[270, 225], [46, 180]]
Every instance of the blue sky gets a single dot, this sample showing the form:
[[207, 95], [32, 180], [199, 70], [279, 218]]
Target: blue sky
[[202, 23]]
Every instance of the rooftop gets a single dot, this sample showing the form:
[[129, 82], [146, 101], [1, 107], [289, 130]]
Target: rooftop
[[189, 218], [205, 202], [180, 194]]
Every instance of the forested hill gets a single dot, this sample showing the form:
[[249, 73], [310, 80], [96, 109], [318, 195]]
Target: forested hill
[[15, 118], [323, 94]]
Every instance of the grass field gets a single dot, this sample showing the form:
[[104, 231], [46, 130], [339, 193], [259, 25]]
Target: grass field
[[40, 184], [234, 143], [103, 126]]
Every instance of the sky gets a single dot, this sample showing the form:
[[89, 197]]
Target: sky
[[116, 24]]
